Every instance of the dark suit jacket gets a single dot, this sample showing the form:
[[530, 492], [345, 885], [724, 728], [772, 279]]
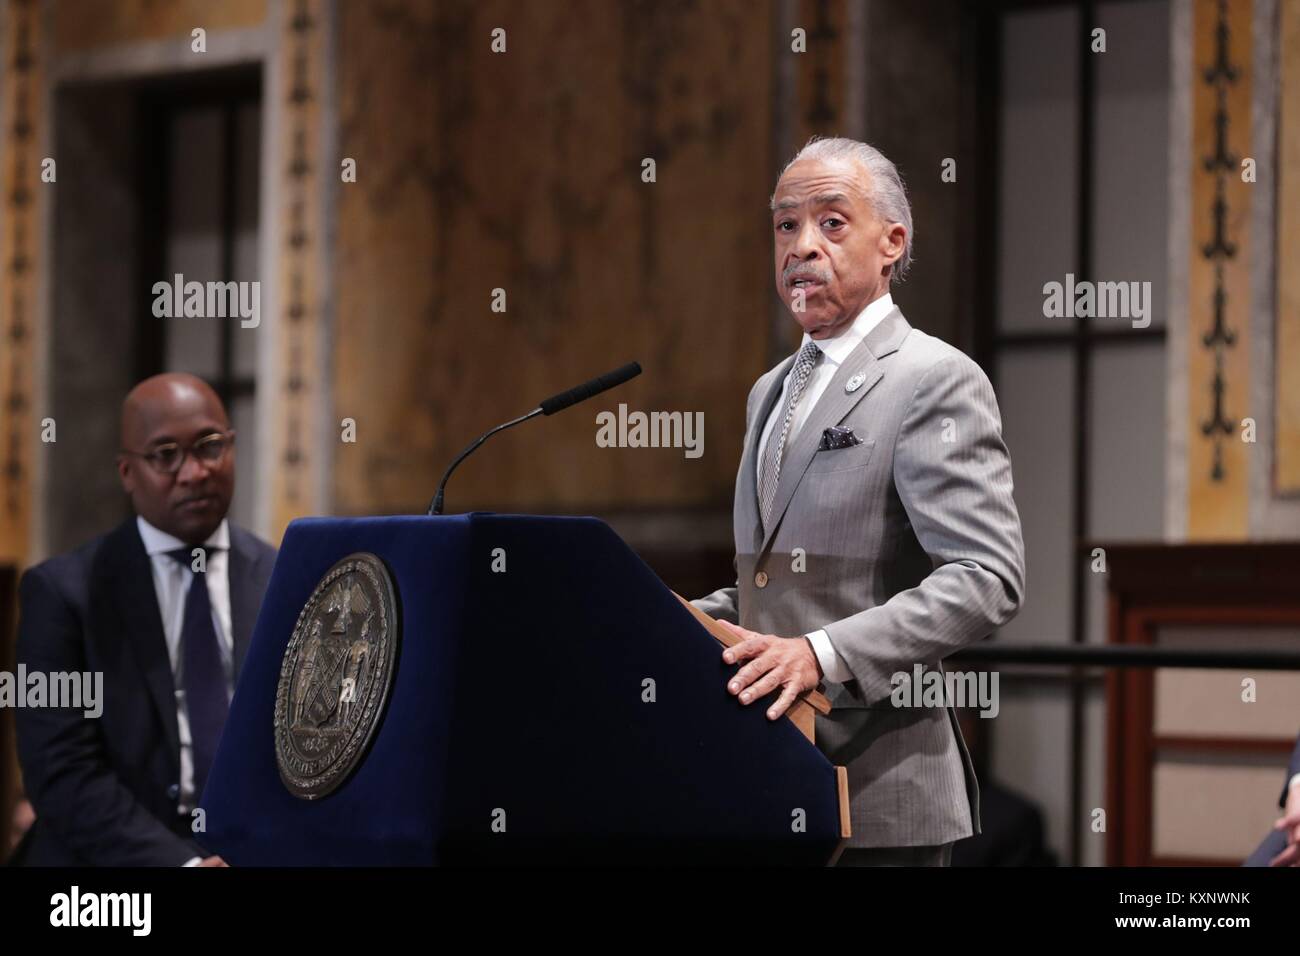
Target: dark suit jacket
[[106, 790], [1292, 769], [1275, 842]]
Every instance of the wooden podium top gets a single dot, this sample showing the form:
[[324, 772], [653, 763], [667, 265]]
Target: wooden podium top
[[804, 711]]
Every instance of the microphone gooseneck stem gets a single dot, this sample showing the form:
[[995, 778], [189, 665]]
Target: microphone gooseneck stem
[[435, 506]]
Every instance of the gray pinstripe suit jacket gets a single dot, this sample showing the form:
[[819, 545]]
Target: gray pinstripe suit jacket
[[913, 549]]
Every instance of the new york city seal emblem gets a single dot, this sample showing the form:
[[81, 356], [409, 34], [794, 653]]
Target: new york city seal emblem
[[335, 676]]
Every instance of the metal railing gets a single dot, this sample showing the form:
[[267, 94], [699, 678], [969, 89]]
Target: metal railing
[[1122, 655]]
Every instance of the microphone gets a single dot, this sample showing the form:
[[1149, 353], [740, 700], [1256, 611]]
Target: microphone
[[556, 403]]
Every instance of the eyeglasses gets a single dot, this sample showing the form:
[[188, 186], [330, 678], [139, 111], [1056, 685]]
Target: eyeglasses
[[168, 458]]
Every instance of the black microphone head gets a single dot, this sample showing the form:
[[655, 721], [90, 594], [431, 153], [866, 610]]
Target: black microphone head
[[620, 375], [586, 390]]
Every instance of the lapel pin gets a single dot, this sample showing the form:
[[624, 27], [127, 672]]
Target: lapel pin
[[855, 382]]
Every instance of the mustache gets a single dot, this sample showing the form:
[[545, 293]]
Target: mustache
[[795, 272]]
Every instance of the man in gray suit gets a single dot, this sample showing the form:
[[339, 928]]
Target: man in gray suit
[[874, 523]]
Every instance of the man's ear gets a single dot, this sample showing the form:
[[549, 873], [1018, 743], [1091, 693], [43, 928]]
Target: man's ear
[[893, 240], [124, 474]]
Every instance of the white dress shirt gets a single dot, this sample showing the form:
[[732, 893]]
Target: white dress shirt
[[171, 583], [834, 352]]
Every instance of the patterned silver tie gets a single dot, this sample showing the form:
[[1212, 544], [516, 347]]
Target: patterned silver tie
[[770, 476]]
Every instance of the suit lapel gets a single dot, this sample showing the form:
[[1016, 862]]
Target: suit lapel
[[748, 480], [244, 596], [122, 581], [833, 406]]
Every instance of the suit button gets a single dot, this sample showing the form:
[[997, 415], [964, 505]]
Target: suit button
[[760, 579], [174, 791]]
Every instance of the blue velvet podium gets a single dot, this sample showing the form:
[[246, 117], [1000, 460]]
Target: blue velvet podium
[[517, 729]]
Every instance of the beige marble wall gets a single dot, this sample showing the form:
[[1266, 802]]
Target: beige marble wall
[[80, 25], [522, 171]]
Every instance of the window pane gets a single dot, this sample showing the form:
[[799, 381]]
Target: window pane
[[194, 235], [1037, 151], [1130, 206], [248, 150], [1126, 481], [1034, 391]]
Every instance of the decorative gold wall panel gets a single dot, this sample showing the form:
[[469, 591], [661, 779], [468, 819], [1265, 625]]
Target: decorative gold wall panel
[[1218, 343]]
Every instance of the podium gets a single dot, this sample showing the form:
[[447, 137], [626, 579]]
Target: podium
[[548, 701]]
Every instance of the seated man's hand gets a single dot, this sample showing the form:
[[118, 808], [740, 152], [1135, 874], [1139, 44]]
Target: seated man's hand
[[213, 861], [785, 662], [1290, 822], [24, 817]]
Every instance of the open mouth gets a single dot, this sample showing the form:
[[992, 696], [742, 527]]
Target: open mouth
[[804, 283]]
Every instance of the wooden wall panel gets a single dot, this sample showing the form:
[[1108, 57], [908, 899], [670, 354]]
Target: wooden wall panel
[[821, 84], [1205, 807], [1288, 256]]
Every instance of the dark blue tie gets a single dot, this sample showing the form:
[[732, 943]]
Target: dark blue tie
[[202, 675]]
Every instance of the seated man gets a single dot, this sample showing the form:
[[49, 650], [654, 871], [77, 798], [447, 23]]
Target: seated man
[[1282, 846], [163, 607]]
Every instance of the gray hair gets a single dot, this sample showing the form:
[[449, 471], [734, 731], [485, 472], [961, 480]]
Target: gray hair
[[887, 194]]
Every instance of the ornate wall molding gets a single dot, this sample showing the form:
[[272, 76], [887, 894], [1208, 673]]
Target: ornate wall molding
[[1181, 32], [1230, 324], [22, 231], [1219, 300], [294, 388]]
